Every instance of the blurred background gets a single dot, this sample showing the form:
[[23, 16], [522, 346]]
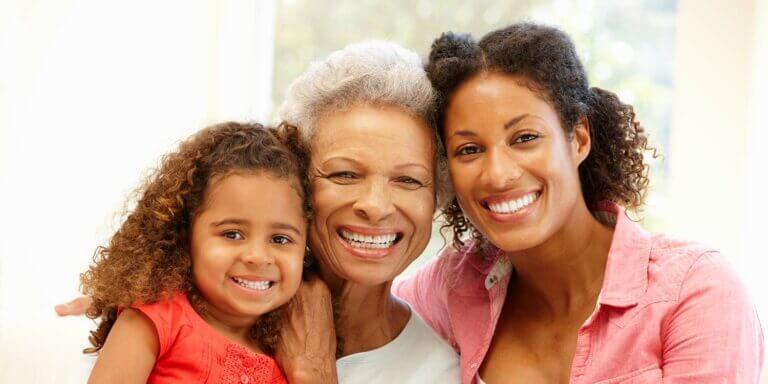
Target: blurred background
[[93, 92]]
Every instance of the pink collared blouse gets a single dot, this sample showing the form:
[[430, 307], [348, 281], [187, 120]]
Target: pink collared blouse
[[669, 311]]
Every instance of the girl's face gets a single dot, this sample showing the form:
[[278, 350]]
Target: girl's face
[[372, 171], [248, 244], [514, 170]]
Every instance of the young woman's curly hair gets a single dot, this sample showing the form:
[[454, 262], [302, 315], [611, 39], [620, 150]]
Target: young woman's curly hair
[[148, 258], [546, 58]]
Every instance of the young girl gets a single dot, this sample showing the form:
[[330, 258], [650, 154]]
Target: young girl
[[190, 287]]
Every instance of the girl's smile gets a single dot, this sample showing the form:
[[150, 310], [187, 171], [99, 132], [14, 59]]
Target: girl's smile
[[248, 244]]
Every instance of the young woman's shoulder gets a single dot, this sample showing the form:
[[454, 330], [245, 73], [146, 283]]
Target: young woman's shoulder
[[712, 331], [428, 289]]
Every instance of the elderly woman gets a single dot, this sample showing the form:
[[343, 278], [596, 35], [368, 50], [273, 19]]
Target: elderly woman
[[366, 113]]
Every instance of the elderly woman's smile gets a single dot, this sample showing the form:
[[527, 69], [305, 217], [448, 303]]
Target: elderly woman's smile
[[372, 191]]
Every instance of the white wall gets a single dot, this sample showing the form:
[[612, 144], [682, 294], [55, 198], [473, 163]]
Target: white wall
[[719, 140], [92, 92]]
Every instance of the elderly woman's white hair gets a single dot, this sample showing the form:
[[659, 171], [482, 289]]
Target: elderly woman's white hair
[[370, 72]]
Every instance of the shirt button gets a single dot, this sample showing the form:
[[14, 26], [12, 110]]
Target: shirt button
[[475, 365], [244, 379]]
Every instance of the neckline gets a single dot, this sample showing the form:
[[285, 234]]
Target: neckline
[[394, 344], [208, 328]]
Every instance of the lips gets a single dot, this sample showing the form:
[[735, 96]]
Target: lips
[[254, 284], [511, 207], [369, 242], [359, 240]]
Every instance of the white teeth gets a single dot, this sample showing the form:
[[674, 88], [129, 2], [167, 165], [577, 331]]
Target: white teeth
[[371, 242], [261, 285], [513, 206]]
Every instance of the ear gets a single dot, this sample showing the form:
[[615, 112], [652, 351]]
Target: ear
[[581, 142]]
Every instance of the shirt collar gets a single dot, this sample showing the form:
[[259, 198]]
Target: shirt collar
[[626, 269]]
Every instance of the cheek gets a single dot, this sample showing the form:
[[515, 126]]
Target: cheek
[[290, 269], [419, 208], [463, 177]]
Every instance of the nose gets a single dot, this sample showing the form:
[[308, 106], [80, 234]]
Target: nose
[[257, 254], [375, 202], [500, 169]]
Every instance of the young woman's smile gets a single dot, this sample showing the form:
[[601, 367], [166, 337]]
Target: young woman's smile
[[515, 171]]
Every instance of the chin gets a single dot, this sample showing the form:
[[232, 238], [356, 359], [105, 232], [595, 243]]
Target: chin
[[369, 276], [516, 240]]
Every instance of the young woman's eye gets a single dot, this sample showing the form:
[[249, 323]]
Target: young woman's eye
[[233, 235], [526, 138], [280, 239], [467, 150]]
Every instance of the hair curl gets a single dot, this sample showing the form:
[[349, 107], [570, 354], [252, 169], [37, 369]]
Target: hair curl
[[148, 258], [546, 58]]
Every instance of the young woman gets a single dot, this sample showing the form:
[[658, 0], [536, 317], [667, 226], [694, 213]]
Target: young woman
[[551, 281]]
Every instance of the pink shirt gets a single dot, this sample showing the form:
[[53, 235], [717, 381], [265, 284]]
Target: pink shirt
[[669, 311]]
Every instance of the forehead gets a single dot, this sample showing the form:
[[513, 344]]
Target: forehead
[[374, 134], [495, 96], [252, 193]]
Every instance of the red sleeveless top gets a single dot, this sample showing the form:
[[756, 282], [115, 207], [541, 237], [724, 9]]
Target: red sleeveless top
[[191, 351]]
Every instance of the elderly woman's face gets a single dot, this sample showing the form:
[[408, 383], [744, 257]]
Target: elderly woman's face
[[372, 180]]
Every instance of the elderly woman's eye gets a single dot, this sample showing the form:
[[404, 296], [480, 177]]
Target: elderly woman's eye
[[409, 181], [343, 175]]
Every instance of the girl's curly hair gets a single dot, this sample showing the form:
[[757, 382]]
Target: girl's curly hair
[[148, 258], [615, 169]]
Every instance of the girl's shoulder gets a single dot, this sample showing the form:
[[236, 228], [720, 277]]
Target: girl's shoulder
[[172, 317], [192, 351]]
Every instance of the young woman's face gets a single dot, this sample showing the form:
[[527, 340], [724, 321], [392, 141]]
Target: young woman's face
[[514, 170], [371, 175], [248, 244]]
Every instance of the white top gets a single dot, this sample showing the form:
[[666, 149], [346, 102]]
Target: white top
[[416, 355]]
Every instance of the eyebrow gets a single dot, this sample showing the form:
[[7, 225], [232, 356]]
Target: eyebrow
[[287, 227], [236, 221], [409, 165], [509, 124], [340, 158], [229, 221]]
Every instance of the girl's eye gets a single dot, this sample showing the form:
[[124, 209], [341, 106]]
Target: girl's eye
[[467, 150], [233, 235], [526, 138], [280, 239]]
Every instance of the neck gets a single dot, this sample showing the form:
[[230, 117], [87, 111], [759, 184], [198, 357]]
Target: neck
[[367, 317], [565, 273], [233, 327]]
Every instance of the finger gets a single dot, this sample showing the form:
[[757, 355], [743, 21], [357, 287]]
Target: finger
[[76, 307]]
